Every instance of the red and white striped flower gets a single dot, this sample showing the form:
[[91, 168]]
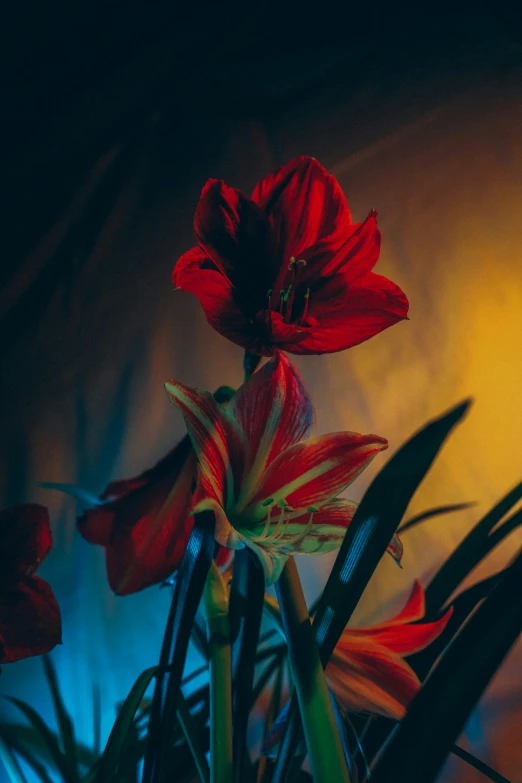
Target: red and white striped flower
[[271, 486]]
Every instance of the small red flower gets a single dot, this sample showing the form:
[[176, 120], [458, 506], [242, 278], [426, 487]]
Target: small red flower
[[30, 622], [145, 524], [367, 671], [287, 269]]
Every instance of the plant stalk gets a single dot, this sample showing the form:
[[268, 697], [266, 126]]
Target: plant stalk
[[324, 746]]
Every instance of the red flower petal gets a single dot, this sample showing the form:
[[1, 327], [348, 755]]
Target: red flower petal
[[196, 273], [206, 498], [370, 678], [280, 334], [25, 540], [305, 204], [145, 532], [354, 258], [30, 622], [218, 441], [414, 610], [235, 234], [274, 410], [311, 473], [349, 315], [404, 639]]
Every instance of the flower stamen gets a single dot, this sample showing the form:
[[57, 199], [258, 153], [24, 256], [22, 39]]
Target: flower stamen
[[305, 311], [300, 536], [281, 524], [293, 267]]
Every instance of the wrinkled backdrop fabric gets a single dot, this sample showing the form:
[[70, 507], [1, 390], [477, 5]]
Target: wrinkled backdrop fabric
[[92, 328]]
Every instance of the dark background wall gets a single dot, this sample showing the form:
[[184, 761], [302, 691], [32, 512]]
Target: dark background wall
[[115, 114]]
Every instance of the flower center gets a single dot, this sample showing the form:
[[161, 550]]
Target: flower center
[[286, 514], [287, 295]]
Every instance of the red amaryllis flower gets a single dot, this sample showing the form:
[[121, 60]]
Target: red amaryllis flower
[[367, 671], [145, 525], [271, 486], [30, 622], [287, 268]]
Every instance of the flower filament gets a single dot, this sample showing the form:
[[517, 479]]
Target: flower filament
[[286, 514], [287, 295]]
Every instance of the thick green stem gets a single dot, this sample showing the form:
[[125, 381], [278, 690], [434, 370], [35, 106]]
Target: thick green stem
[[324, 746], [220, 673]]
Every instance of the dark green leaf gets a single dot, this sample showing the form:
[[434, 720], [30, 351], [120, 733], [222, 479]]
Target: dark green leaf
[[96, 718], [187, 595], [433, 512], [130, 756], [118, 737], [192, 733], [463, 605], [50, 740], [199, 638], [470, 551], [274, 665], [247, 592], [473, 761], [11, 764], [374, 525], [11, 738], [262, 655], [343, 734], [30, 738], [359, 750], [63, 720], [273, 709], [419, 745], [366, 541]]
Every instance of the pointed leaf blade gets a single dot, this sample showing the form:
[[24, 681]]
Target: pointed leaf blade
[[117, 738], [421, 742], [63, 719]]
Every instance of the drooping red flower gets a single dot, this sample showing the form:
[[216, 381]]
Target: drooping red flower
[[30, 621], [287, 268], [144, 526], [367, 671], [272, 487]]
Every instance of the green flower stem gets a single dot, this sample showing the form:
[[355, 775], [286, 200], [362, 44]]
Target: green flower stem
[[220, 672], [325, 751]]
